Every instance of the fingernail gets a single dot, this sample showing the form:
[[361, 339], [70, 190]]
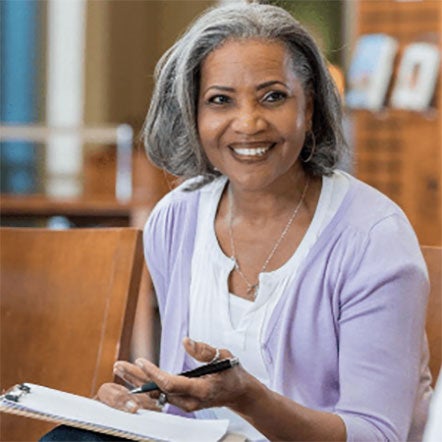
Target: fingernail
[[130, 405], [140, 363], [191, 342]]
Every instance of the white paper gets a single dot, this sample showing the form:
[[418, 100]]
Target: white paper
[[145, 423]]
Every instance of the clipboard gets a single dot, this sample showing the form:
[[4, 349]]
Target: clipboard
[[39, 402]]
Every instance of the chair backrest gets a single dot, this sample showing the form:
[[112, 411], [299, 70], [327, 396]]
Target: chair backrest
[[68, 300], [433, 258]]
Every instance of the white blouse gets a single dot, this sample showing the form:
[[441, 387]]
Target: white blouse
[[225, 320]]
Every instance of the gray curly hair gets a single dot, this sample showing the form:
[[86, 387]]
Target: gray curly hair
[[170, 130]]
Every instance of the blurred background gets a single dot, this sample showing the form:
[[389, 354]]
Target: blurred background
[[76, 80]]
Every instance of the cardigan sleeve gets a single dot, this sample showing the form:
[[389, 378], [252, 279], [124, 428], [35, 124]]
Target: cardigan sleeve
[[168, 246], [164, 234], [168, 232], [154, 239], [381, 334]]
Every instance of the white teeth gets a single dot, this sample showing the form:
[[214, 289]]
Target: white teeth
[[257, 151]]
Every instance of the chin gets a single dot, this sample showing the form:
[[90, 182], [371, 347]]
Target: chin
[[250, 183]]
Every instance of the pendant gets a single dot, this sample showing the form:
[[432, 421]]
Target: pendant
[[252, 289]]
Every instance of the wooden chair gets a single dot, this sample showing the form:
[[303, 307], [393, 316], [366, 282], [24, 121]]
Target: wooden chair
[[68, 301], [433, 258]]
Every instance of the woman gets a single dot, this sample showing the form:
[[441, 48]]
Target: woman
[[314, 280]]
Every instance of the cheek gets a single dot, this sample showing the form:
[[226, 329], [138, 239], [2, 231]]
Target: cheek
[[207, 136], [298, 118], [294, 126], [293, 131], [209, 129]]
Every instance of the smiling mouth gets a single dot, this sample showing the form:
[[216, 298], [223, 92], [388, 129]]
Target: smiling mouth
[[257, 151]]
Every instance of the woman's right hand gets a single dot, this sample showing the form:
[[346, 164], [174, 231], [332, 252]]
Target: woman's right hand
[[118, 396]]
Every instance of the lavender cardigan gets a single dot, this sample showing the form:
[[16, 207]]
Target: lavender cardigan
[[347, 337]]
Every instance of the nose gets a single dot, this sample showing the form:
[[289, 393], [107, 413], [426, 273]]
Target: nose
[[249, 120]]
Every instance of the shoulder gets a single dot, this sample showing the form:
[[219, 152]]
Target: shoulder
[[171, 228], [365, 209], [366, 200], [171, 210], [183, 197], [371, 254], [371, 228], [178, 201], [178, 196], [176, 214], [168, 227]]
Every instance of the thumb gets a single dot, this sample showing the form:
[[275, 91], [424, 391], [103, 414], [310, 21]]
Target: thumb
[[203, 352]]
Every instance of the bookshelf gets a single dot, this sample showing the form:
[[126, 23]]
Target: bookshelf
[[400, 151]]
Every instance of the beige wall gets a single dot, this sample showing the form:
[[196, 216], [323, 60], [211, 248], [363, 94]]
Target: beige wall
[[125, 39]]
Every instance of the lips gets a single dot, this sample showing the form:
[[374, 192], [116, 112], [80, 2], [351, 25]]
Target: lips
[[251, 150]]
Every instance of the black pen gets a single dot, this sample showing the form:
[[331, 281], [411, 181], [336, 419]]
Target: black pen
[[195, 373]]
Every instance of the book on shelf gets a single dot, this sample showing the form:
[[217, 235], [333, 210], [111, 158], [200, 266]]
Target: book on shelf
[[416, 80], [370, 71]]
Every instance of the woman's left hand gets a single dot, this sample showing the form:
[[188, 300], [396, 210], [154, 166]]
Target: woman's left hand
[[225, 388]]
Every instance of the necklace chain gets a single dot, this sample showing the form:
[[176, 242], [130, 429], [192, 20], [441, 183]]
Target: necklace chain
[[253, 288]]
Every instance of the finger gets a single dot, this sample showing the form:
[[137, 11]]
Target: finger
[[130, 373], [186, 403], [169, 383], [116, 396], [203, 352], [145, 401]]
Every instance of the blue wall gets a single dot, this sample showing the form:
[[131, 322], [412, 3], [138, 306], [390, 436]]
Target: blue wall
[[19, 83]]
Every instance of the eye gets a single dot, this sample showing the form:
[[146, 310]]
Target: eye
[[274, 96], [219, 99]]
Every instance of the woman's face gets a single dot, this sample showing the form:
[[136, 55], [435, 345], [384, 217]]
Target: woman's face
[[253, 113]]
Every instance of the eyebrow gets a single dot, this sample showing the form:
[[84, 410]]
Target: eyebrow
[[259, 87]]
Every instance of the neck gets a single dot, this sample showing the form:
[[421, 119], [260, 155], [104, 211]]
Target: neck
[[253, 284], [277, 200]]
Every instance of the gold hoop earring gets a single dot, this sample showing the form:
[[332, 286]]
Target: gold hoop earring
[[312, 148]]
